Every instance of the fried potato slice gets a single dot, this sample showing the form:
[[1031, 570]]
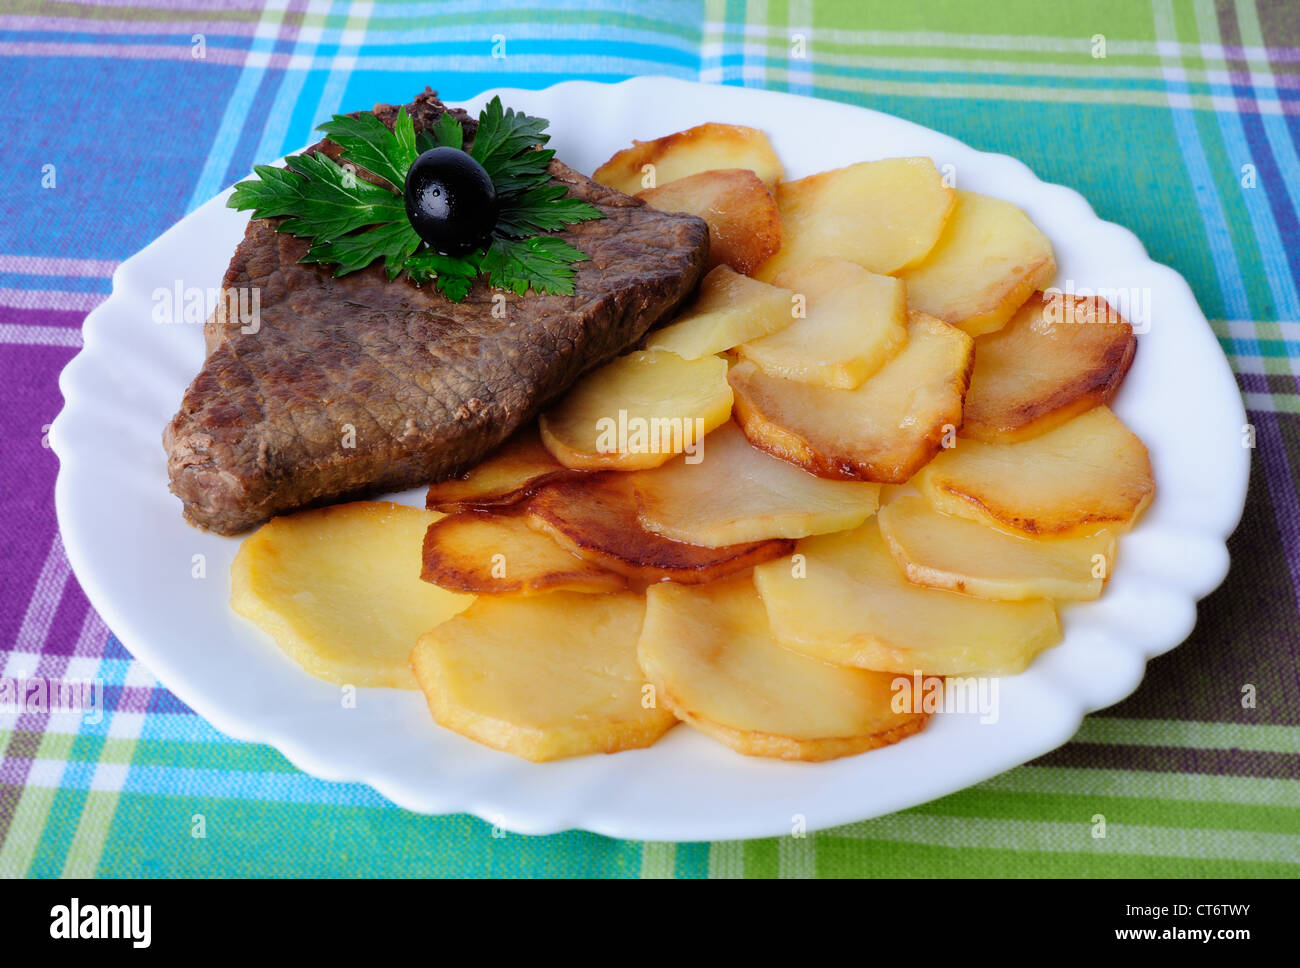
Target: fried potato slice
[[705, 147], [729, 309], [709, 652], [506, 476], [884, 215], [854, 321], [1058, 357], [638, 411], [744, 225], [499, 554], [543, 677], [1087, 474], [339, 590], [848, 602], [596, 519], [987, 262], [738, 493], [883, 431], [961, 555]]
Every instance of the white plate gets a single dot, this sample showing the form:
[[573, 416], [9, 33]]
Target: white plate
[[134, 555]]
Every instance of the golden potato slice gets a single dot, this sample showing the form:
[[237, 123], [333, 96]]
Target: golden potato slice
[[855, 320], [1058, 357], [506, 476], [730, 309], [705, 147], [339, 590], [884, 430], [638, 411], [892, 492], [846, 601], [543, 677], [987, 262], [596, 519], [709, 652], [1089, 473], [884, 215], [737, 493], [943, 551], [744, 225], [499, 554]]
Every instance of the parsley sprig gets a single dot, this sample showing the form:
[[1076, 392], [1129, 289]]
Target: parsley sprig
[[353, 222]]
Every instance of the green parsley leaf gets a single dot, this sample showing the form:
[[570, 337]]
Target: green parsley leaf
[[446, 133], [455, 288], [321, 199], [544, 208], [453, 276], [394, 242], [367, 142], [503, 133], [274, 192], [543, 264], [404, 134], [530, 169]]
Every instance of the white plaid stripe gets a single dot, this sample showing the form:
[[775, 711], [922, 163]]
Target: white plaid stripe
[[1057, 837], [658, 859], [233, 119], [727, 858]]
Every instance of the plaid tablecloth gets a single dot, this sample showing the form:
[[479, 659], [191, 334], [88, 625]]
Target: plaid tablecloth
[[1180, 120]]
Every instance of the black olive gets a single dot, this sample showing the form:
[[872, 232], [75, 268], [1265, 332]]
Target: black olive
[[450, 201]]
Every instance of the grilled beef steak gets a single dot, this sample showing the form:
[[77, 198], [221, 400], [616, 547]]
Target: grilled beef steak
[[359, 384]]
